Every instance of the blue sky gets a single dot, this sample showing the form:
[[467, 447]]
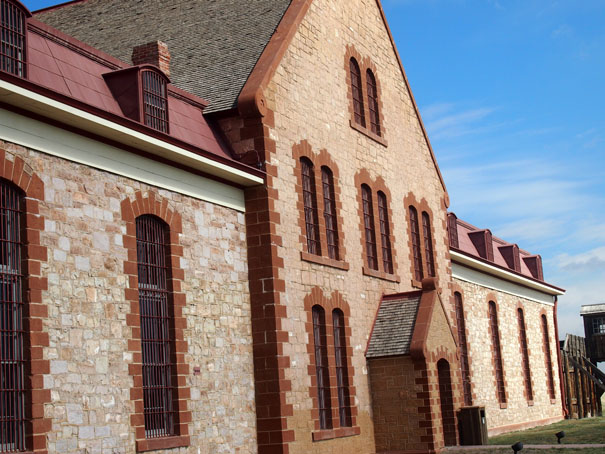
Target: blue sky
[[512, 95]]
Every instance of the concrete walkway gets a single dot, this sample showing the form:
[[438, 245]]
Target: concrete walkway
[[561, 446]]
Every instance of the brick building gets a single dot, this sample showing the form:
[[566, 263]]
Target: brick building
[[320, 321]]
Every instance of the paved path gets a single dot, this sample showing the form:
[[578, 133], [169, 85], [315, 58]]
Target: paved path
[[561, 446]]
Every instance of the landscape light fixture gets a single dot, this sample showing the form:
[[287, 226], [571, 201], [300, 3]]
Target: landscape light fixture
[[517, 447], [559, 435]]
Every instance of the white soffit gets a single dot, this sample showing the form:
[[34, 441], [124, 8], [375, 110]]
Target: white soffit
[[55, 141]]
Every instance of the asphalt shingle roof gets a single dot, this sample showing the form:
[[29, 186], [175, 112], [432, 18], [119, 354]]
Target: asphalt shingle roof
[[394, 326], [214, 44]]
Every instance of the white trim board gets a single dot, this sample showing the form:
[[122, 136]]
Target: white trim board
[[464, 273], [55, 141]]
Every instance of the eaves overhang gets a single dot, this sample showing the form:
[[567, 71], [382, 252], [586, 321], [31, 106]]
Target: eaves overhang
[[478, 264], [59, 108]]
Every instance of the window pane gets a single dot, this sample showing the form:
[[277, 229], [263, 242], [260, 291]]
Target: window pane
[[369, 229], [310, 207], [327, 180], [464, 363], [497, 352], [155, 103], [373, 103], [524, 355], [12, 38], [342, 375], [357, 93], [385, 233], [415, 234], [321, 368], [548, 359], [428, 244]]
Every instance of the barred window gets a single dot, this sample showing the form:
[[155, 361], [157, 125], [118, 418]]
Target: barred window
[[12, 39], [598, 325], [342, 374], [497, 352], [310, 206], [464, 363], [13, 344], [385, 233], [428, 244], [373, 102], [357, 93], [548, 358], [324, 399], [415, 237], [524, 355], [157, 320], [327, 180], [155, 102], [369, 228]]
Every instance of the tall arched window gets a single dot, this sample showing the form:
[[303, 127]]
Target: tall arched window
[[322, 372], [369, 228], [12, 37], [155, 101], [327, 180], [385, 234], [497, 353], [310, 206], [342, 373], [373, 102], [529, 392], [357, 93], [548, 359], [464, 363], [13, 344], [157, 320], [428, 244], [415, 234]]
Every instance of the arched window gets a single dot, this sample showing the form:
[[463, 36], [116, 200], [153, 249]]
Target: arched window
[[385, 234], [497, 353], [373, 102], [12, 37], [342, 373], [157, 320], [415, 234], [357, 93], [327, 180], [324, 399], [155, 101], [464, 363], [310, 206], [446, 400], [548, 359], [369, 228], [529, 392], [428, 244], [13, 344]]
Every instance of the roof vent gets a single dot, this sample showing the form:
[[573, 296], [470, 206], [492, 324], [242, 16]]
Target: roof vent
[[482, 240], [510, 253], [154, 53], [534, 264]]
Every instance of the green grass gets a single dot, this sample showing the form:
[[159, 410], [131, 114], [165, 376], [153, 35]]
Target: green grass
[[577, 431]]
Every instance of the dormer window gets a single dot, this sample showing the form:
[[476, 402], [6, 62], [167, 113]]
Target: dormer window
[[12, 38], [155, 103]]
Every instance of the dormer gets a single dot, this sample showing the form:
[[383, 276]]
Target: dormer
[[510, 253], [13, 39], [142, 93], [534, 264], [482, 240]]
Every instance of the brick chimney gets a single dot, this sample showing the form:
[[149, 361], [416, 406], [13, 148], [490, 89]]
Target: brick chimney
[[154, 53]]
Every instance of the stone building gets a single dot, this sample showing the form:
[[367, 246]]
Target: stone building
[[506, 318], [310, 274]]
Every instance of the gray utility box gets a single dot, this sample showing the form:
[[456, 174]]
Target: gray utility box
[[472, 426]]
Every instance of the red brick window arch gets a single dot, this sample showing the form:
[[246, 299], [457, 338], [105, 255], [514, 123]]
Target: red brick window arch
[[548, 358], [529, 392], [155, 99], [330, 218], [497, 353], [415, 237], [372, 92], [369, 227], [428, 244], [342, 374], [13, 37], [14, 405], [310, 206], [462, 342], [385, 234], [322, 370], [357, 92]]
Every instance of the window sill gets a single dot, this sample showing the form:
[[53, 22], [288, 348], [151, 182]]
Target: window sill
[[154, 444], [553, 401], [326, 261], [530, 403], [366, 132], [381, 275], [503, 406], [416, 284], [330, 434]]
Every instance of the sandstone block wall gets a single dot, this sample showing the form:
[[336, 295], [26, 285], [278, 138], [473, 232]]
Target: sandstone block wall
[[89, 378]]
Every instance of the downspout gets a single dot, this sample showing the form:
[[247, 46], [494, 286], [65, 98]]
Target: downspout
[[561, 390]]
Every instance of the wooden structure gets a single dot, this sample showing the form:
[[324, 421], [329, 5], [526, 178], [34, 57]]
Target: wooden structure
[[594, 330]]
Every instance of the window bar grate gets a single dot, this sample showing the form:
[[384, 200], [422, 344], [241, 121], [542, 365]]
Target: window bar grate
[[369, 228], [385, 234], [156, 342], [357, 92], [428, 244], [415, 234], [12, 359], [497, 352], [155, 102], [464, 363], [525, 355], [324, 399], [310, 207], [327, 179], [342, 375], [373, 102], [12, 38], [548, 358]]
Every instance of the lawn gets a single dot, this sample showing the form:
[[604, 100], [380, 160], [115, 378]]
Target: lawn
[[577, 431]]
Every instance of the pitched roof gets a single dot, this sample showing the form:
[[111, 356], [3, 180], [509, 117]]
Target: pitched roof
[[214, 44], [394, 326]]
